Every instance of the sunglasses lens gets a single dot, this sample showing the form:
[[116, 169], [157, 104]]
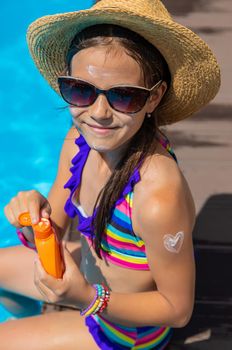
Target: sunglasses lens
[[127, 99], [82, 94], [76, 92]]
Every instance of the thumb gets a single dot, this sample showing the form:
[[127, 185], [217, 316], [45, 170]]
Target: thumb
[[46, 210], [68, 259]]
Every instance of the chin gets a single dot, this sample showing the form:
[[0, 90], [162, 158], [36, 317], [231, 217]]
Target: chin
[[105, 144], [100, 147]]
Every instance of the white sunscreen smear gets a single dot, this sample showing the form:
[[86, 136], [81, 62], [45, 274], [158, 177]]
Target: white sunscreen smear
[[174, 243]]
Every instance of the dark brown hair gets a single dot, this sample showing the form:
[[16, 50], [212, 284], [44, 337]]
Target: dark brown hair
[[143, 143]]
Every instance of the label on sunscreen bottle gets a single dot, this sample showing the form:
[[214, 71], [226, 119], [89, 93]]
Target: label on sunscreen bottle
[[47, 245]]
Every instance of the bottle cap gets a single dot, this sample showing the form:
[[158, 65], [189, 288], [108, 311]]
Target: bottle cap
[[43, 229], [25, 219]]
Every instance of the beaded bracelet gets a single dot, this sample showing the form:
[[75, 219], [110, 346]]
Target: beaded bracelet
[[104, 296], [99, 302], [24, 241], [92, 303]]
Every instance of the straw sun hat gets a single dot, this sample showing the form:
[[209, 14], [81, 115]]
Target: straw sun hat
[[194, 69]]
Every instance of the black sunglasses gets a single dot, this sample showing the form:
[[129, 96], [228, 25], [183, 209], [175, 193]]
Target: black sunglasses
[[125, 99]]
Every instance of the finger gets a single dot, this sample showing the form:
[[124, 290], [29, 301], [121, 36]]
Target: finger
[[46, 293], [45, 279], [70, 264], [22, 199], [45, 297], [46, 210], [34, 210], [40, 271], [45, 283], [14, 209], [68, 259], [37, 280], [10, 215]]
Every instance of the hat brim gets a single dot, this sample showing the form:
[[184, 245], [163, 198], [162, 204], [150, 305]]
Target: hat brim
[[193, 67]]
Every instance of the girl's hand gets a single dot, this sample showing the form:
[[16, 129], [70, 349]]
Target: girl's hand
[[72, 289], [28, 201]]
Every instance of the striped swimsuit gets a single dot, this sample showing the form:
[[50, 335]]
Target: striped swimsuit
[[122, 247]]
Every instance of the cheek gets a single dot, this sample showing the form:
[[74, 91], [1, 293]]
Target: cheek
[[74, 111], [75, 114], [135, 123]]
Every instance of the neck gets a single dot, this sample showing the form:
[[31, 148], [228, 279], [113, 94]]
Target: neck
[[107, 161]]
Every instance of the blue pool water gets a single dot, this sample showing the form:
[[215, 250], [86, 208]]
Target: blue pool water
[[32, 126]]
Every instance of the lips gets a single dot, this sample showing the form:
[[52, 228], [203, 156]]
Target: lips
[[101, 127], [99, 130]]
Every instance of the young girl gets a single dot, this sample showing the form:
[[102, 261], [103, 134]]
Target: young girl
[[125, 68]]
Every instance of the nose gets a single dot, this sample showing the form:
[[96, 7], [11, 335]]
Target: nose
[[100, 109]]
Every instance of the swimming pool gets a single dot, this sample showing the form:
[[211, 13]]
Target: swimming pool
[[32, 126]]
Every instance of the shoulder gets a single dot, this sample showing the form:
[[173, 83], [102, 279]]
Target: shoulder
[[163, 199], [69, 148]]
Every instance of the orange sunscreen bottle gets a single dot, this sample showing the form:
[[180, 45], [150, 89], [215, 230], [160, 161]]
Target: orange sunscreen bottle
[[47, 245]]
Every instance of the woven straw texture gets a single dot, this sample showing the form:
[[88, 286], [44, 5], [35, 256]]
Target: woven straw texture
[[194, 69]]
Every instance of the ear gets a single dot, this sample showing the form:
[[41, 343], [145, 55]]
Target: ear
[[156, 97]]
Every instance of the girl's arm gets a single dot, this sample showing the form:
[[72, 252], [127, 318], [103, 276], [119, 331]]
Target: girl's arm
[[37, 205], [167, 211], [58, 195]]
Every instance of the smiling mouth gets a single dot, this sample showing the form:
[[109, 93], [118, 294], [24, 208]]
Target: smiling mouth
[[102, 131], [101, 127]]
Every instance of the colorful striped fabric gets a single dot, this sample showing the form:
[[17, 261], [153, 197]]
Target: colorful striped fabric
[[134, 338], [119, 244]]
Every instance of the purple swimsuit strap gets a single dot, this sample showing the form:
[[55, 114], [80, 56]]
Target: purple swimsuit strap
[[78, 163], [73, 183]]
